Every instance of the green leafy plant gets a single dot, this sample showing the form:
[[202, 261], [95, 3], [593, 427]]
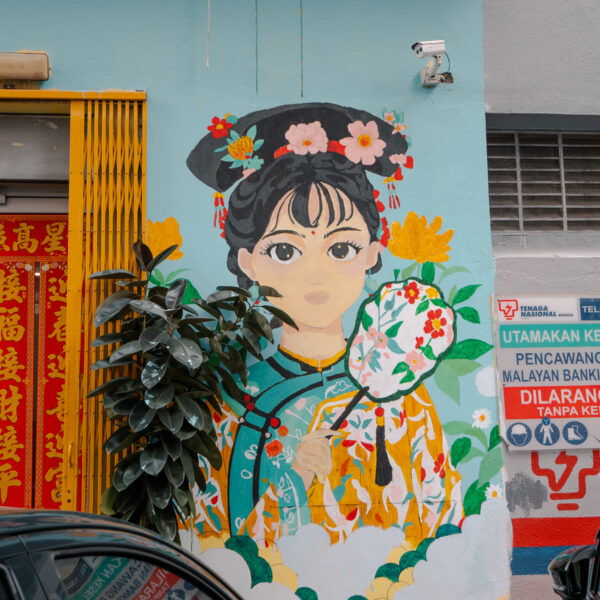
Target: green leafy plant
[[181, 357]]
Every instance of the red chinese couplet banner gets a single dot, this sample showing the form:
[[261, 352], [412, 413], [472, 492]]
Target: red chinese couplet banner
[[32, 247]]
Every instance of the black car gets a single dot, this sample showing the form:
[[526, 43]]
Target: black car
[[59, 555], [576, 572]]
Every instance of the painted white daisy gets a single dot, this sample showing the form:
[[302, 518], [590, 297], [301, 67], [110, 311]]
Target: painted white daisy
[[493, 491], [482, 418]]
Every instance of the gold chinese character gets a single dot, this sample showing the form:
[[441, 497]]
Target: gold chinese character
[[56, 369], [59, 331], [10, 288], [24, 240], [58, 293], [10, 330], [9, 404], [54, 445], [8, 478], [55, 473], [3, 245], [54, 237], [9, 364], [9, 444], [59, 409]]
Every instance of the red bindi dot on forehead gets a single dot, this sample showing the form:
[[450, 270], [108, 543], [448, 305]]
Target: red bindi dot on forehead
[[313, 232]]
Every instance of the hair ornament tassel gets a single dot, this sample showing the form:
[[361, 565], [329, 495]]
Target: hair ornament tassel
[[220, 212], [383, 468]]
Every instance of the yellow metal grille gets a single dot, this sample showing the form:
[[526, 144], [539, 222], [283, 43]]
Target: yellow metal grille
[[106, 215]]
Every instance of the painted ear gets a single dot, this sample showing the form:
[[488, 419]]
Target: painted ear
[[245, 262], [372, 254]]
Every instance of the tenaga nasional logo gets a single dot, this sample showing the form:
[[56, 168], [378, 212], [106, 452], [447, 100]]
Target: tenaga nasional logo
[[508, 308], [543, 308], [590, 309]]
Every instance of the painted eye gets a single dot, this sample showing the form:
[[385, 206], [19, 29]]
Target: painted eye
[[343, 251], [283, 253]]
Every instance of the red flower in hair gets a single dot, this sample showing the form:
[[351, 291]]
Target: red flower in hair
[[220, 127]]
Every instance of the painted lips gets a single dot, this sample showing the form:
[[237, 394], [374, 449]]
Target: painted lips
[[317, 297]]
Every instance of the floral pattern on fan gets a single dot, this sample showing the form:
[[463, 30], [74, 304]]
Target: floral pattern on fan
[[402, 333]]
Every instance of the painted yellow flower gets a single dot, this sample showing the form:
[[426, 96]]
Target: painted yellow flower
[[241, 148], [416, 240], [432, 293], [162, 234]]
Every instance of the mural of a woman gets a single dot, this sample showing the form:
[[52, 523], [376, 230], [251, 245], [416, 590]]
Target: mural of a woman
[[309, 443]]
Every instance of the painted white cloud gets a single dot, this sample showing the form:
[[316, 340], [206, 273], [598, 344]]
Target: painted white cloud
[[485, 381], [342, 570], [474, 565]]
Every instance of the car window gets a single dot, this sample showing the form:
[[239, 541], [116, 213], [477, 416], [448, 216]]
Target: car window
[[122, 578], [5, 588]]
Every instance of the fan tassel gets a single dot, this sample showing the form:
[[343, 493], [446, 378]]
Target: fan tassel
[[383, 468]]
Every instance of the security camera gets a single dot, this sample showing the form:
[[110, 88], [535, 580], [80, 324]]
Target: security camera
[[431, 48]]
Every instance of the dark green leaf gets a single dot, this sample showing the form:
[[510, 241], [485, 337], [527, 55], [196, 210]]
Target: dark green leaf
[[186, 351], [166, 521], [428, 272], [175, 293], [468, 314], [213, 455], [129, 499], [186, 432], [153, 372], [112, 274], [159, 396], [263, 324], [464, 293], [175, 472], [120, 439], [153, 459], [124, 405], [239, 291], [107, 386], [229, 383], [132, 471], [199, 475], [471, 349], [211, 310], [159, 490], [151, 308], [191, 411], [106, 364], [152, 336], [143, 255], [460, 448], [107, 501], [160, 257], [111, 306], [187, 460], [171, 443], [181, 497], [141, 416], [269, 292], [124, 350], [280, 315], [109, 338], [132, 284], [216, 297]]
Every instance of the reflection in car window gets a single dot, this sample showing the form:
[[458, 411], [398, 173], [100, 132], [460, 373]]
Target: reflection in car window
[[5, 593], [120, 578]]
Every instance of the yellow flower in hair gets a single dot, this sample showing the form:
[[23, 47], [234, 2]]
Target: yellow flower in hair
[[160, 235], [241, 148], [416, 240]]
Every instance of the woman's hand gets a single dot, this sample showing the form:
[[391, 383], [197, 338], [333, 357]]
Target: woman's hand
[[313, 456]]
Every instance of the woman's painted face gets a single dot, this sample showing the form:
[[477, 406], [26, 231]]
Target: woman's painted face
[[319, 270]]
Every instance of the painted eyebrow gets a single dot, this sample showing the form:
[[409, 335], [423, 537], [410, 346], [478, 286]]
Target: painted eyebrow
[[279, 231], [340, 229]]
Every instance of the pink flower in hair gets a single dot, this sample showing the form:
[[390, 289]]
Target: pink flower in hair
[[306, 138], [364, 145], [398, 159]]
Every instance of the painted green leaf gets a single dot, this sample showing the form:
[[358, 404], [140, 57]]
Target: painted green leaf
[[460, 448], [393, 330], [141, 416], [494, 437], [428, 352], [452, 294], [153, 372], [464, 293], [464, 428], [153, 459], [447, 381], [423, 306], [469, 314], [490, 465], [471, 349], [186, 351], [451, 271], [428, 272], [111, 306], [408, 376], [306, 593], [408, 271], [474, 498], [473, 453], [366, 320], [462, 366], [159, 396]]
